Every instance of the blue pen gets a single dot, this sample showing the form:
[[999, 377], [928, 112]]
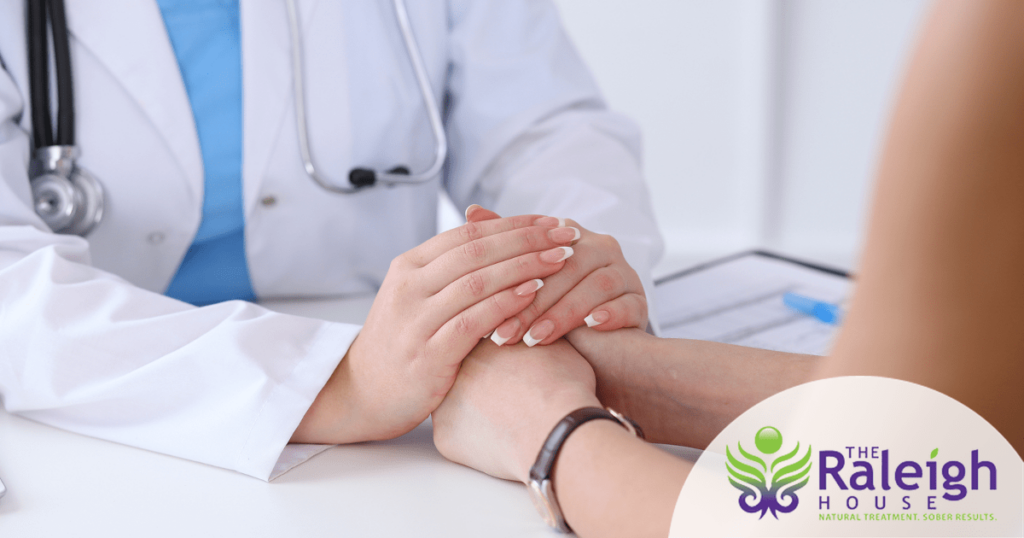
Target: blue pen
[[825, 312]]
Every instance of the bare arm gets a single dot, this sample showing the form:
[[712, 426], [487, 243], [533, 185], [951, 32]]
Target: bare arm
[[940, 300], [683, 392], [940, 297]]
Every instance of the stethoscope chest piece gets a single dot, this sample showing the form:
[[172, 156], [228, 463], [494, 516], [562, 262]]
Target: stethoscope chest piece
[[67, 197]]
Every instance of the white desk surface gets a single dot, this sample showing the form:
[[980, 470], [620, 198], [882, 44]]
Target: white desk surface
[[64, 484]]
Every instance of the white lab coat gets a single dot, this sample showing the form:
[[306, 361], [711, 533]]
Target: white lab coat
[[87, 341]]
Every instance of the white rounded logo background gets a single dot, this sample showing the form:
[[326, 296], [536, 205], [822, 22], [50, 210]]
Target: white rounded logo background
[[851, 414]]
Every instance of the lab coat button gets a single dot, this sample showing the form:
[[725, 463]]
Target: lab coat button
[[269, 200], [155, 238]]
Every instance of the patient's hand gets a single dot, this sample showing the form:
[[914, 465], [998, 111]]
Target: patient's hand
[[597, 287], [505, 402]]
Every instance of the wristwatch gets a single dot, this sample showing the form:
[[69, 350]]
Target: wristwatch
[[540, 486]]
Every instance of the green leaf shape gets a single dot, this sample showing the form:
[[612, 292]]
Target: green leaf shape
[[786, 476], [800, 485], [785, 457], [752, 457], [746, 490], [934, 453], [759, 481]]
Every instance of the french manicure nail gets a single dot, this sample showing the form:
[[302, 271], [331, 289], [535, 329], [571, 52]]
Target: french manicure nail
[[488, 335], [527, 288], [556, 254], [539, 332], [470, 210], [564, 235], [550, 222], [508, 328], [597, 318]]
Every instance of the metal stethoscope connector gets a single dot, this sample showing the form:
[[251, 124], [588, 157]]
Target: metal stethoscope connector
[[70, 200]]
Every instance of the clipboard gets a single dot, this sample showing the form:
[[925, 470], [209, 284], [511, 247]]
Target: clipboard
[[738, 300]]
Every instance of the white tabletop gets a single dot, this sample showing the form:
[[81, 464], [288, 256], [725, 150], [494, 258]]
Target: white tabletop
[[64, 484]]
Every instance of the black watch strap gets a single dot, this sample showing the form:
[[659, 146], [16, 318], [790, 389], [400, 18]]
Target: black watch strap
[[553, 445]]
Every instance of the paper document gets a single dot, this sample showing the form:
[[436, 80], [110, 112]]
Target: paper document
[[738, 300]]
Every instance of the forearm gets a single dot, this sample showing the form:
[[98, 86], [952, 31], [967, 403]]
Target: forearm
[[684, 392], [609, 483], [939, 295]]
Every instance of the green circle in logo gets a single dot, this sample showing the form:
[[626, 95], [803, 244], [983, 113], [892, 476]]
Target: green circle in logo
[[768, 440]]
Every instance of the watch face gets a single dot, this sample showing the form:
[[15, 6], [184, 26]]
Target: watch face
[[540, 494]]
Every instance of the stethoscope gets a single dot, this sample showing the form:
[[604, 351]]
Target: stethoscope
[[70, 200]]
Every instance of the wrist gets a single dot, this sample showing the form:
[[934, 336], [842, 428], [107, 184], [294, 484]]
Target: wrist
[[530, 443], [339, 414]]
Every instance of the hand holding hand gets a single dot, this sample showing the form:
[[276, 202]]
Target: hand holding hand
[[435, 304], [597, 287]]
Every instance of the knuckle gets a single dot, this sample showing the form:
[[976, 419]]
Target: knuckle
[[474, 284], [608, 281], [572, 268], [498, 305], [474, 251], [522, 221], [532, 239], [471, 231], [522, 265], [608, 242], [531, 312], [464, 326], [572, 311], [400, 262]]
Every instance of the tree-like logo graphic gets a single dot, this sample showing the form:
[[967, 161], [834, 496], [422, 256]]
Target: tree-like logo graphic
[[768, 486]]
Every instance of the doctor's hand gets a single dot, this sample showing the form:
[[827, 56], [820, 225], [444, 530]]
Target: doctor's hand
[[505, 402], [597, 287], [435, 304]]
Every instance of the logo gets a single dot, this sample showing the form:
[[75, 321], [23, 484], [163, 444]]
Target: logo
[[768, 486]]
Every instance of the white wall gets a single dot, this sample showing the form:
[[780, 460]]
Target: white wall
[[762, 118]]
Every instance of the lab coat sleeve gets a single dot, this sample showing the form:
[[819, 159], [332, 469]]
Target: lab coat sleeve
[[530, 133], [86, 351]]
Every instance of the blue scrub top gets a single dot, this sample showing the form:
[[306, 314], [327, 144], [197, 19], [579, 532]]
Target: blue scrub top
[[206, 38]]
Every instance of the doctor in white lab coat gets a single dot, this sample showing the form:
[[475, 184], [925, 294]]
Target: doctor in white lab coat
[[88, 341]]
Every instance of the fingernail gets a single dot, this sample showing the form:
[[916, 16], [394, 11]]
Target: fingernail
[[509, 328], [527, 288], [488, 335], [539, 332], [564, 235], [470, 210], [550, 221], [556, 255], [597, 318]]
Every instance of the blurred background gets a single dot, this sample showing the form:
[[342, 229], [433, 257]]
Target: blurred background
[[762, 119]]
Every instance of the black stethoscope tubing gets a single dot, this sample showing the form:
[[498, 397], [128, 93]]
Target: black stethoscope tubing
[[39, 74], [70, 200]]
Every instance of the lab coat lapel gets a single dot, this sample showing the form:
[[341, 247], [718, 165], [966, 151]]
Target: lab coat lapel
[[130, 39], [267, 83]]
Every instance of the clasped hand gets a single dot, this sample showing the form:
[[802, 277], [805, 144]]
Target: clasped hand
[[524, 275]]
